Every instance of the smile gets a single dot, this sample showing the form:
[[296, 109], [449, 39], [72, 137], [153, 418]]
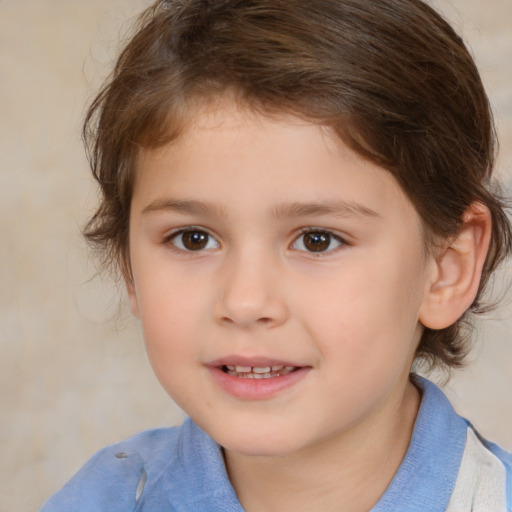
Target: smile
[[258, 372], [255, 379]]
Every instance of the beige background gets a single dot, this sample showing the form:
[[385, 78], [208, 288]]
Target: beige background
[[73, 376]]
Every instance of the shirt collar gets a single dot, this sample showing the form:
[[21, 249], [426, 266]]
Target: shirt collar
[[426, 478], [424, 481]]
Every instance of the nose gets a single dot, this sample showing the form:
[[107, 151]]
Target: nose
[[251, 294]]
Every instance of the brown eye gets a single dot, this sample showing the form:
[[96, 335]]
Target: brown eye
[[193, 240], [317, 241]]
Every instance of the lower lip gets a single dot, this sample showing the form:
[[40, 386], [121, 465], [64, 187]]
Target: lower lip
[[256, 389]]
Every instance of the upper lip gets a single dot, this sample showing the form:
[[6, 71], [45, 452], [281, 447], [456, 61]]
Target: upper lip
[[258, 362]]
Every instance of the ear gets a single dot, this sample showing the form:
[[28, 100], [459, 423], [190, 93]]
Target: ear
[[132, 297], [457, 270]]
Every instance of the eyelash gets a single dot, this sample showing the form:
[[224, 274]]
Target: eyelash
[[192, 230]]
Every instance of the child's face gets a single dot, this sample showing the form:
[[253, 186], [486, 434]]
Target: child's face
[[267, 243]]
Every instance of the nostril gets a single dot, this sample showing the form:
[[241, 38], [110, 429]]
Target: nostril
[[264, 321], [227, 320]]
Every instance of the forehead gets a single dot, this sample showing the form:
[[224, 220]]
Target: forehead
[[238, 158]]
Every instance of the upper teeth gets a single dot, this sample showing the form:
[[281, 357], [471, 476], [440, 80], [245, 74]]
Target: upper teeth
[[259, 372], [254, 369], [261, 369]]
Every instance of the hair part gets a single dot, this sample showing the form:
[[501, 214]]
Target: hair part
[[390, 77]]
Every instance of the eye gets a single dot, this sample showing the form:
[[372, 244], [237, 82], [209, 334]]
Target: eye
[[317, 241], [193, 240]]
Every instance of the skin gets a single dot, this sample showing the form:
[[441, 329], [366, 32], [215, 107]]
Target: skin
[[349, 315]]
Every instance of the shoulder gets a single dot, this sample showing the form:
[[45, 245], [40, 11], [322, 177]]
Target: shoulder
[[502, 455], [180, 468], [483, 469], [483, 480], [505, 458], [448, 466], [114, 478]]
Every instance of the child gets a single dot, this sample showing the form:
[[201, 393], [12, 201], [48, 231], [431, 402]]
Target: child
[[297, 195]]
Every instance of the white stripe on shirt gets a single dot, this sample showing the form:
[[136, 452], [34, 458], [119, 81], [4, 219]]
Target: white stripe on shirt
[[481, 482]]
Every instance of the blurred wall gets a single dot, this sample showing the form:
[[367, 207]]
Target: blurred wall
[[73, 374]]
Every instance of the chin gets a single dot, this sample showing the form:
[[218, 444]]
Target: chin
[[256, 444], [258, 449]]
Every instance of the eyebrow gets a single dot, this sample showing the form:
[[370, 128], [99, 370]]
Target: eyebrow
[[184, 206], [295, 209], [335, 208]]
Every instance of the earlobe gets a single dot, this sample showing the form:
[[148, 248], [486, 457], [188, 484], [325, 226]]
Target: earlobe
[[457, 270], [132, 298]]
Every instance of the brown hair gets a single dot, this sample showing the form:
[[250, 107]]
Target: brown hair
[[391, 77]]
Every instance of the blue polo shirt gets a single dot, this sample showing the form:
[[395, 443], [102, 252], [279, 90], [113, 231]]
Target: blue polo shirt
[[448, 468]]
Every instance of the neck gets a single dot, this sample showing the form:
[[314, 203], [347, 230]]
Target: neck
[[348, 473]]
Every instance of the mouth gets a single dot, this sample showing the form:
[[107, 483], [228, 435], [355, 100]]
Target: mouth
[[258, 372], [256, 378]]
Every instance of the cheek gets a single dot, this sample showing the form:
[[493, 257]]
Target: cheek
[[168, 334], [371, 316], [165, 294], [171, 314]]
